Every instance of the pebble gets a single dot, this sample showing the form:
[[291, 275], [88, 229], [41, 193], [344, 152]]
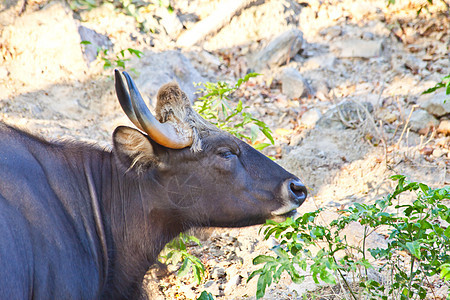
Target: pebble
[[310, 118], [279, 50], [293, 85], [438, 152], [444, 127], [421, 119], [218, 273], [438, 104], [358, 48]]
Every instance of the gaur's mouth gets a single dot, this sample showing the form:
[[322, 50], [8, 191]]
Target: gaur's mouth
[[285, 209], [290, 214], [282, 217]]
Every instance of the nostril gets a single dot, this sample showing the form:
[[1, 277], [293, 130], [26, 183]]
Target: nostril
[[298, 190]]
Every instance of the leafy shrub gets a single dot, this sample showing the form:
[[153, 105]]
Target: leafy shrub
[[444, 83], [176, 252], [114, 60], [215, 106], [419, 231]]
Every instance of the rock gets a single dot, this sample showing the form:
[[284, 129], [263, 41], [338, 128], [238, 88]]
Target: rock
[[170, 22], [332, 32], [359, 10], [358, 48], [212, 287], [421, 119], [324, 61], [438, 152], [293, 85], [310, 118], [438, 104], [387, 115], [414, 64], [444, 127], [367, 35], [231, 285], [156, 69], [96, 40], [218, 273], [278, 51]]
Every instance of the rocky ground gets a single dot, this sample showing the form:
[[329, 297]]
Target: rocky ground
[[341, 88]]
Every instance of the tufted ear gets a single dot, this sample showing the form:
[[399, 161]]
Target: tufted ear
[[133, 148]]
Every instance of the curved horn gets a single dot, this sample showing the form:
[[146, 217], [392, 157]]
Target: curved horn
[[135, 108], [124, 100]]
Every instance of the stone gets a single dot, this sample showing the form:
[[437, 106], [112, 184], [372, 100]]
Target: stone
[[212, 287], [293, 85], [387, 115], [421, 119], [218, 273], [156, 69], [367, 35], [333, 32], [280, 50], [170, 22], [438, 152], [358, 48], [324, 61], [231, 285], [310, 118], [96, 40], [414, 64], [444, 127], [438, 104]]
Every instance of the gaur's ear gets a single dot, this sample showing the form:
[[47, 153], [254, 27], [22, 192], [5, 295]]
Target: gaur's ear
[[133, 148]]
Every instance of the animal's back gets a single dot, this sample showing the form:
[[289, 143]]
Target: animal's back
[[44, 252]]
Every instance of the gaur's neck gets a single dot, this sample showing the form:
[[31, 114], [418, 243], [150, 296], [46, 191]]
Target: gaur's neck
[[138, 226]]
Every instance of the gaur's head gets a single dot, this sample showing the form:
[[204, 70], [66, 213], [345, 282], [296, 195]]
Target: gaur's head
[[204, 175]]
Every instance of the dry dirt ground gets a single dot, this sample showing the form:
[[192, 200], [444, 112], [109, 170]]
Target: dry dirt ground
[[344, 155]]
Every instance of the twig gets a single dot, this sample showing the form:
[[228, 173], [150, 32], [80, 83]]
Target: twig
[[406, 125]]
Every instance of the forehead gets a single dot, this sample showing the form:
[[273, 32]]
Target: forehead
[[219, 138]]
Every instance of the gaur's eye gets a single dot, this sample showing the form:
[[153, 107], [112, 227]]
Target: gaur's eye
[[225, 153]]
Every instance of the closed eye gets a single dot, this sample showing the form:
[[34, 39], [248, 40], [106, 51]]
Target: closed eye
[[225, 153]]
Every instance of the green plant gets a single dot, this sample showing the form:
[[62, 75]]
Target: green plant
[[134, 8], [444, 83], [176, 252], [423, 6], [109, 61], [216, 107], [417, 231], [205, 296]]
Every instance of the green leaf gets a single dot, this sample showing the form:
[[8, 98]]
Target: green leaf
[[414, 248], [445, 272], [263, 259], [85, 43], [205, 296], [264, 281]]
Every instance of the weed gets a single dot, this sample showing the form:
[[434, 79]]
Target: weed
[[115, 60], [215, 106], [418, 246], [176, 252], [444, 83]]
